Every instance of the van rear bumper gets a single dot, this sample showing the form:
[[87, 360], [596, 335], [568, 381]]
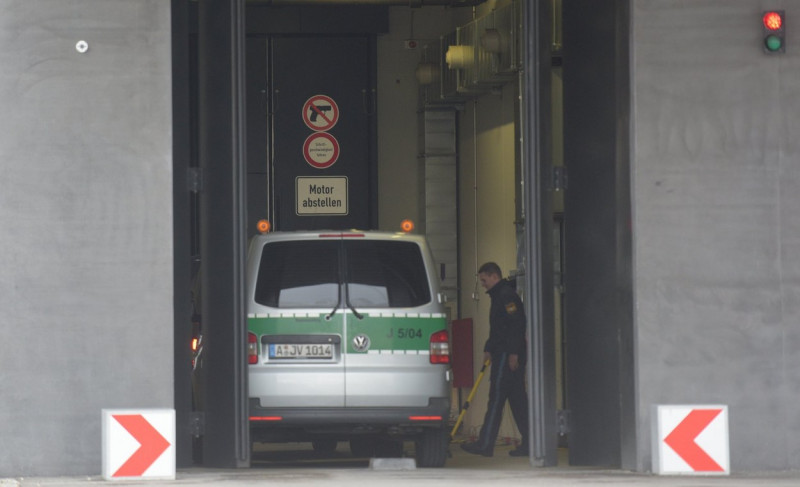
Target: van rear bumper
[[352, 420]]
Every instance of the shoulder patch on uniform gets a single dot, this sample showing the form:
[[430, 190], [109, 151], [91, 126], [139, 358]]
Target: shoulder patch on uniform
[[511, 308]]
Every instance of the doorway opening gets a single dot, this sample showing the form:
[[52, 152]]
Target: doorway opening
[[576, 283]]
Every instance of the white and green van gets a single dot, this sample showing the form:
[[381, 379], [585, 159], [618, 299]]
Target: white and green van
[[348, 342]]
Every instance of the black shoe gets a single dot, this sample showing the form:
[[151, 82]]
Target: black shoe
[[475, 450], [519, 451]]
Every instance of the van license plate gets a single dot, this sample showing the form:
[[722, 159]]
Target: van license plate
[[300, 351]]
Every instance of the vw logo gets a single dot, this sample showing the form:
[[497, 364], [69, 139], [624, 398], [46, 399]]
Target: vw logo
[[361, 343]]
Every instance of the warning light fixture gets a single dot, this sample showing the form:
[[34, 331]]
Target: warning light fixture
[[263, 226], [773, 24], [407, 226]]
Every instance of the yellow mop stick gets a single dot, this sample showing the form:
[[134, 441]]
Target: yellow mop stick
[[469, 398]]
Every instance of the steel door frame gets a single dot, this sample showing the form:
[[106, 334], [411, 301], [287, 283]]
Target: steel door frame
[[536, 136]]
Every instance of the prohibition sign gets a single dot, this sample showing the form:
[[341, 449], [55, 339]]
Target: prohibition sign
[[321, 150], [320, 113]]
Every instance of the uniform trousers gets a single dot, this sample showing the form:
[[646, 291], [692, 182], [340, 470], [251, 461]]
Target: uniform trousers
[[504, 385]]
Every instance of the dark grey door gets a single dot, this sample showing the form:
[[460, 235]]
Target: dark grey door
[[323, 112], [598, 311]]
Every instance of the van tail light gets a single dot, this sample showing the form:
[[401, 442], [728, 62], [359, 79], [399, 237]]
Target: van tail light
[[252, 348], [440, 348], [266, 418]]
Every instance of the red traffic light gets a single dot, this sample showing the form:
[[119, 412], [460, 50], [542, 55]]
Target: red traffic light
[[773, 30], [772, 20]]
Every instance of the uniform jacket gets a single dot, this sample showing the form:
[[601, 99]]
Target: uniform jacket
[[506, 321]]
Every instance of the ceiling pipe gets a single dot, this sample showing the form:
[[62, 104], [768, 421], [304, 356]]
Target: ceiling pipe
[[395, 3]]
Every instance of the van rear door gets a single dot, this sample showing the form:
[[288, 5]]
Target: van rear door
[[298, 322], [390, 318]]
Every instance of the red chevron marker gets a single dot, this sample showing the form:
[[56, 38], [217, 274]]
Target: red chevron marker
[[151, 441], [681, 439]]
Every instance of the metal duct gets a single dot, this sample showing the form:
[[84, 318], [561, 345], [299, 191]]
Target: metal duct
[[448, 79], [493, 42], [482, 54], [432, 85], [499, 36], [468, 43]]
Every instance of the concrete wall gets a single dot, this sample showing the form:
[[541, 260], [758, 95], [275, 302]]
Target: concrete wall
[[85, 210], [716, 178]]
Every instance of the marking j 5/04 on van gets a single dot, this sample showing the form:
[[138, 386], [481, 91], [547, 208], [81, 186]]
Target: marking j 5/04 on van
[[348, 342]]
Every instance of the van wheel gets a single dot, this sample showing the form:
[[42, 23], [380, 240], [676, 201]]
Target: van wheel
[[431, 448], [363, 447], [324, 446]]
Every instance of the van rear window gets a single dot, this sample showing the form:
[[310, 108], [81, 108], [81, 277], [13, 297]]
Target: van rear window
[[385, 274], [377, 274], [303, 274]]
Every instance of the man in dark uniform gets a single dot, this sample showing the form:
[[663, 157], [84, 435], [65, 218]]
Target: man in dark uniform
[[506, 347]]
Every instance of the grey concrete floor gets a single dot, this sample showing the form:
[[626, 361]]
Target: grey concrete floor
[[297, 465]]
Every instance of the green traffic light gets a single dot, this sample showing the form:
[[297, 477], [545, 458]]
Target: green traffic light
[[773, 43]]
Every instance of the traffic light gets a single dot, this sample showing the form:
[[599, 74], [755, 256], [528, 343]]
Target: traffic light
[[773, 23]]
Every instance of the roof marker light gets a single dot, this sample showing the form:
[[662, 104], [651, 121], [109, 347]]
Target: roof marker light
[[264, 226]]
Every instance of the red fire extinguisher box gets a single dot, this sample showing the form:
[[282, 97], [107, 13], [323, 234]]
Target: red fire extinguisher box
[[461, 334]]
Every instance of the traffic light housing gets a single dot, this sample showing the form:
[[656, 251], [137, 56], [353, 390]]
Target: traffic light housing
[[773, 23]]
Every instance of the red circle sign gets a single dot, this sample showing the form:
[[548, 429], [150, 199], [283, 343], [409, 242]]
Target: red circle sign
[[320, 113], [321, 150]]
